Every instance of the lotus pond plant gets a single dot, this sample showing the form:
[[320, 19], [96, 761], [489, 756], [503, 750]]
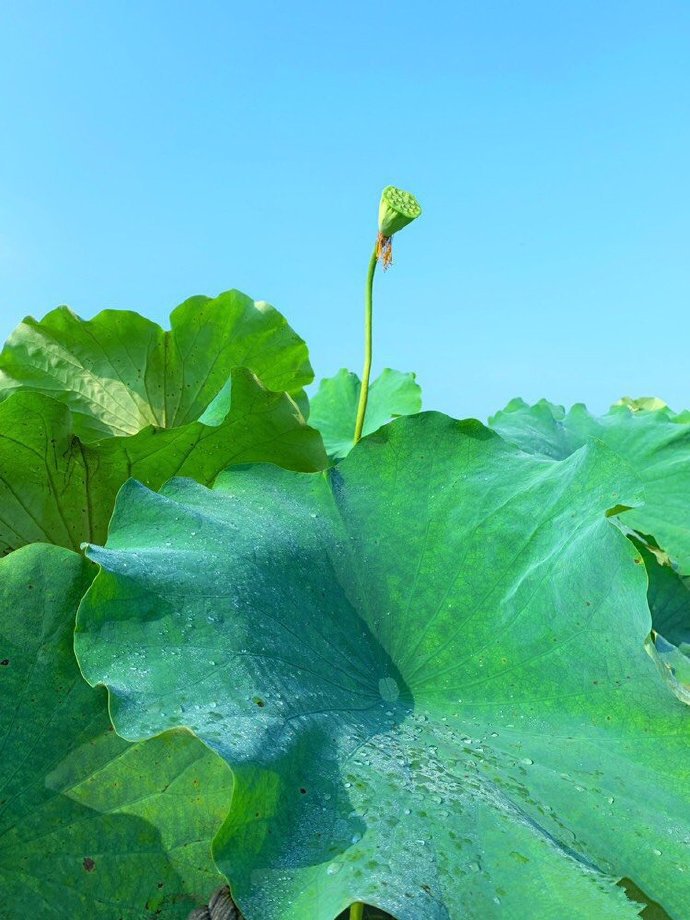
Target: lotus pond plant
[[349, 659], [397, 209]]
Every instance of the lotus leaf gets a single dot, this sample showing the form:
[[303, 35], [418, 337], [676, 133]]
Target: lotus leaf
[[655, 442], [426, 668], [90, 825], [120, 372], [56, 489], [669, 602], [668, 595], [334, 407]]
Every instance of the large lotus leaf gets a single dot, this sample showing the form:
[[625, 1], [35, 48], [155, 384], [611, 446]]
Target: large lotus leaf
[[55, 489], [334, 408], [120, 372], [656, 443], [90, 825], [426, 668]]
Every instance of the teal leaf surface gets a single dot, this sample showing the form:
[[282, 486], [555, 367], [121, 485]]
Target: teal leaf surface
[[655, 442], [334, 407], [90, 825], [120, 373], [426, 669]]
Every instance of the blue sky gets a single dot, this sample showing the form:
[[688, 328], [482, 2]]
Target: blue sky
[[150, 151]]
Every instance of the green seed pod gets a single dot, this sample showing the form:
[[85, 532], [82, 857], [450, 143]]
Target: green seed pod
[[396, 210]]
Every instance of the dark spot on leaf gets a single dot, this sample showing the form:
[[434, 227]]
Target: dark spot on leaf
[[637, 560], [589, 603], [259, 702], [653, 910], [302, 790], [88, 864], [5, 662], [160, 885]]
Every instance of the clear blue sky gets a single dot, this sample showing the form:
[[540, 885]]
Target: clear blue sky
[[150, 151]]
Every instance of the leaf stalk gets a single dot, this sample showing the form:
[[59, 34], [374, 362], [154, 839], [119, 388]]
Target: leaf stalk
[[368, 346]]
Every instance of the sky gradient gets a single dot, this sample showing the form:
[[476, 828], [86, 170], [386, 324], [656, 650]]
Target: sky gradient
[[153, 151]]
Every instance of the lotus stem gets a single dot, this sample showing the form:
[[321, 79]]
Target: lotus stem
[[357, 911], [397, 209], [368, 344]]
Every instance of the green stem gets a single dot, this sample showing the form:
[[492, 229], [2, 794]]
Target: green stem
[[357, 911], [366, 373]]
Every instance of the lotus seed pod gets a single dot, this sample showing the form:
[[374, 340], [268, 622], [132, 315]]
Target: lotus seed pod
[[396, 210]]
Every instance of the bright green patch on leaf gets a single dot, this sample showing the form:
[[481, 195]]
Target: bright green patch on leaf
[[55, 489], [656, 444], [426, 668], [120, 373], [641, 403], [334, 408], [90, 825]]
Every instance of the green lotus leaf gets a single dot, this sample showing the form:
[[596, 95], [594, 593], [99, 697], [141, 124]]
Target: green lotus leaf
[[673, 664], [668, 595], [120, 373], [55, 489], [656, 443], [90, 825], [415, 666], [334, 407], [641, 403]]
